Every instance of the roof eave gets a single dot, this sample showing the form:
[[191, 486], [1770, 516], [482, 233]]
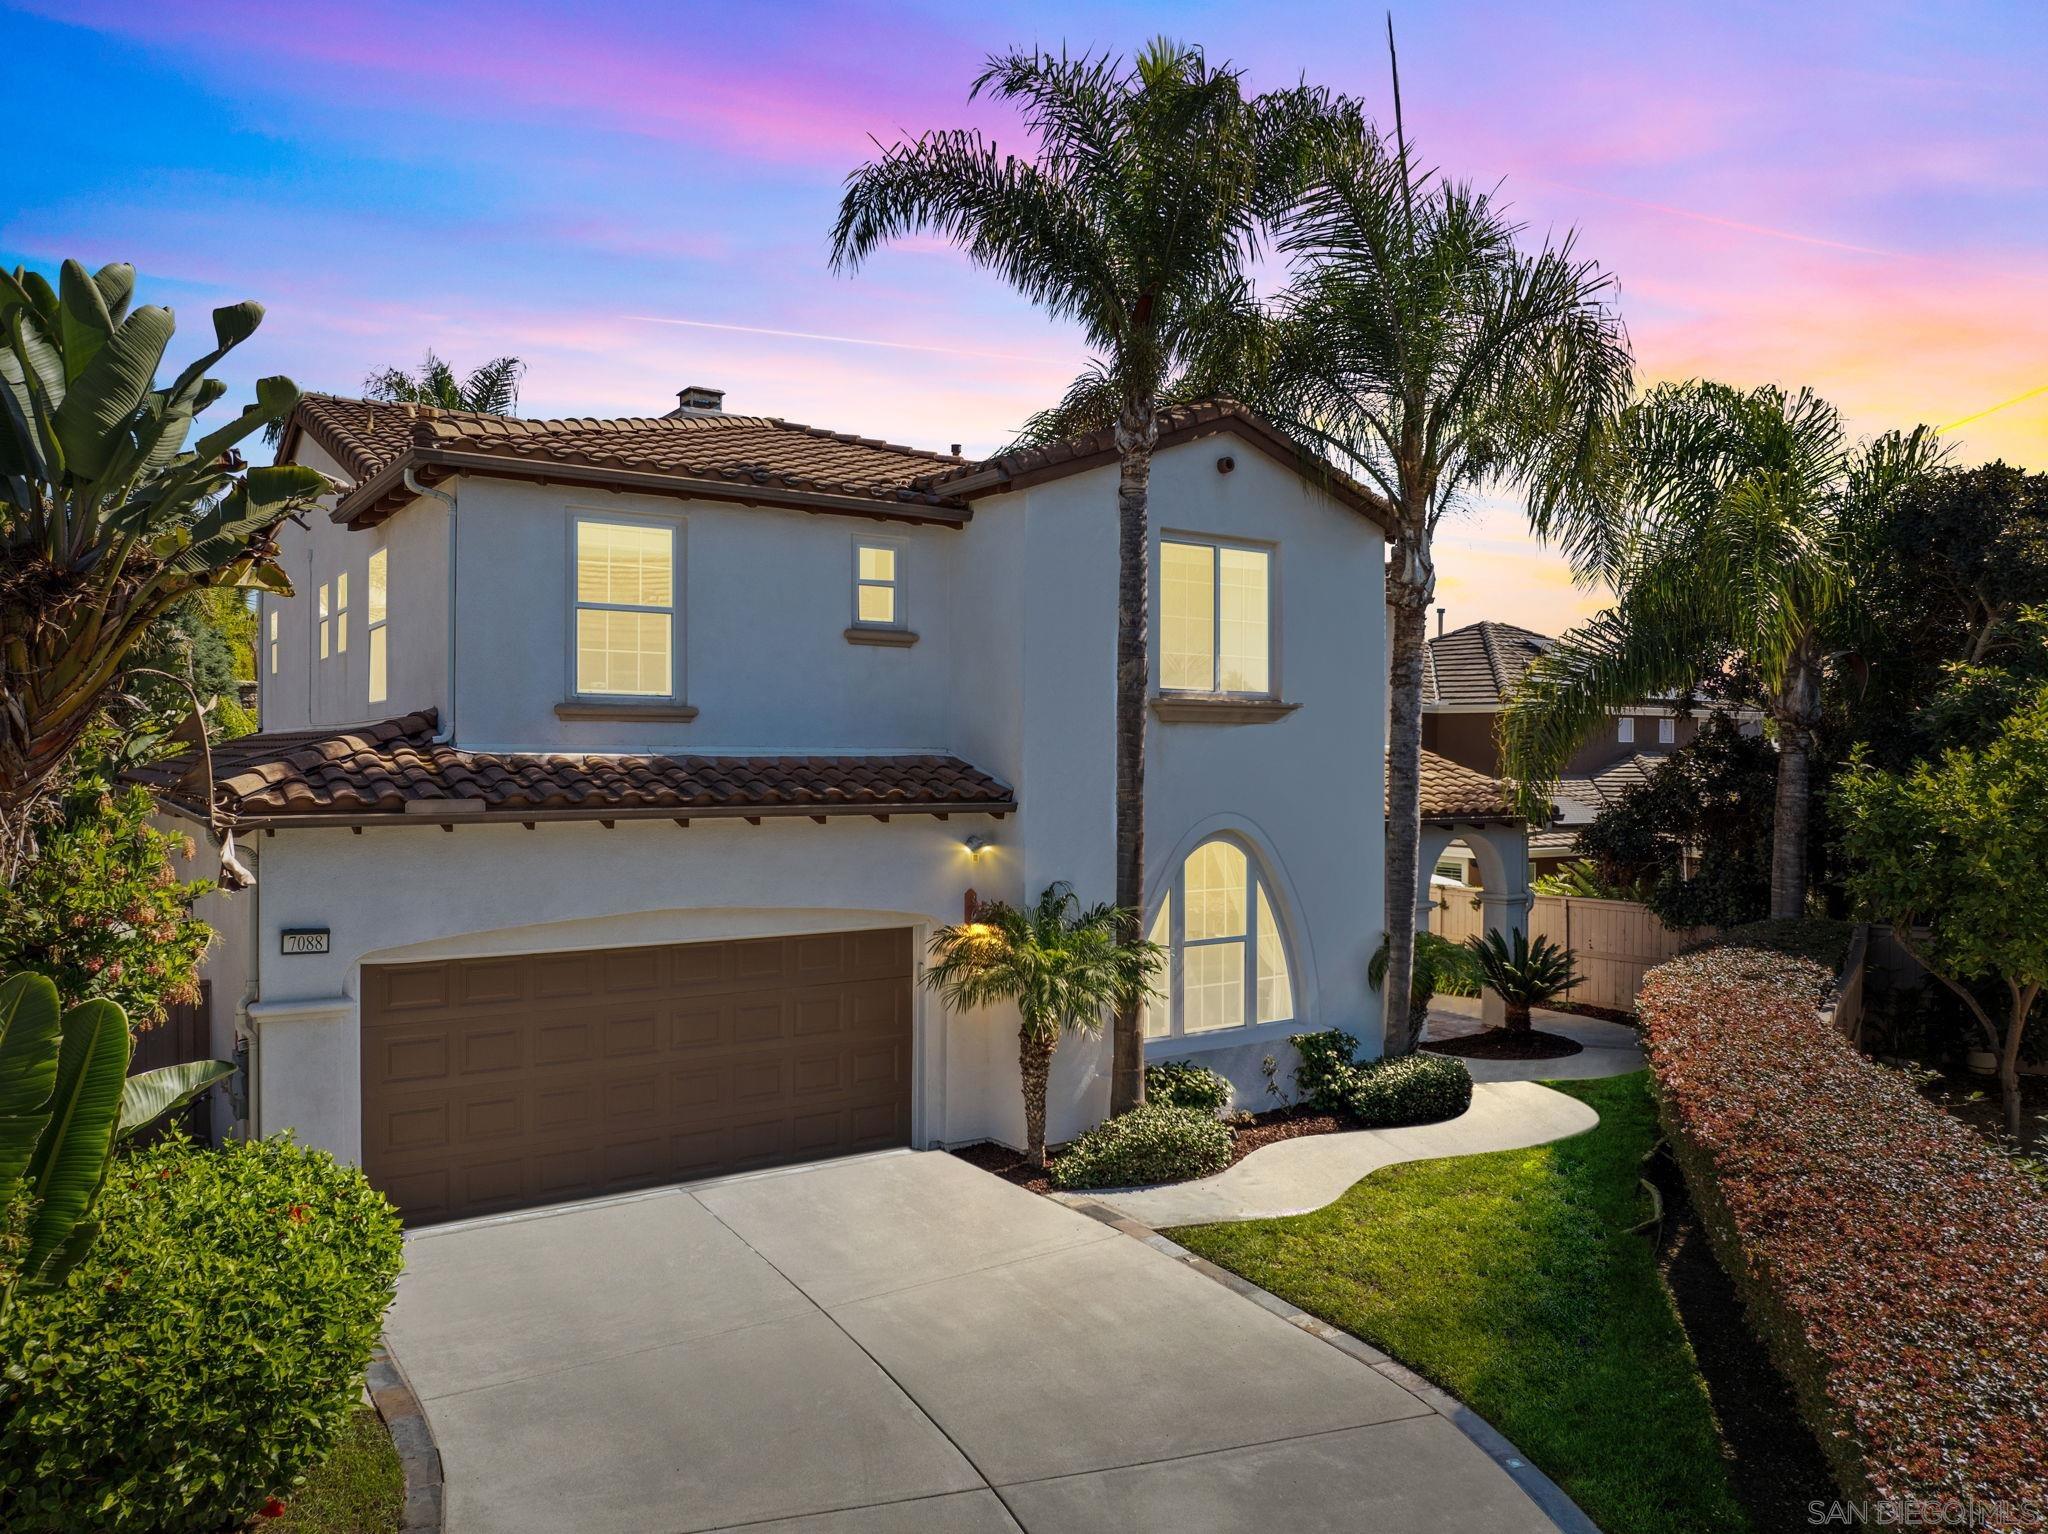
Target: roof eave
[[513, 815]]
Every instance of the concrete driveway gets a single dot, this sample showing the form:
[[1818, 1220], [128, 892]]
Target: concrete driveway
[[895, 1344]]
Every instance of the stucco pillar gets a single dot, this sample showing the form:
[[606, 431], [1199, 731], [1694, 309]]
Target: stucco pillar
[[1503, 852], [1435, 840]]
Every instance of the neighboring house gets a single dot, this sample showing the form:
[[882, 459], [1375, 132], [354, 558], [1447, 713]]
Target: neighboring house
[[1469, 675], [615, 774]]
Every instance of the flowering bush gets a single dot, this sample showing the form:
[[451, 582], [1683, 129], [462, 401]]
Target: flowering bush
[[100, 911], [1152, 1143], [1895, 1264], [206, 1352], [1380, 1094]]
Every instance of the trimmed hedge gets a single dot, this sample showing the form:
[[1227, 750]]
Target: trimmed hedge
[[1896, 1266], [1184, 1084], [1380, 1094], [1818, 938], [1152, 1143], [206, 1353]]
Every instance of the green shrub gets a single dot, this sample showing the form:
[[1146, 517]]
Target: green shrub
[[1152, 1143], [206, 1353], [1184, 1084], [1325, 1068], [1410, 1089], [1823, 941]]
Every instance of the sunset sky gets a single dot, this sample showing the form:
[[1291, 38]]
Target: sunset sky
[[636, 196]]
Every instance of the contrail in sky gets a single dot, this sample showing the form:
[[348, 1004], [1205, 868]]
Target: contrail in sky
[[810, 335]]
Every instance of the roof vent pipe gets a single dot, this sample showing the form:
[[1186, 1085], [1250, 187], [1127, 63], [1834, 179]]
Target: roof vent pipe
[[1439, 623]]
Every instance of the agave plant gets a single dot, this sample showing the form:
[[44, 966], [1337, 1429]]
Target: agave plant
[[107, 517], [1522, 973], [66, 1099], [1062, 966]]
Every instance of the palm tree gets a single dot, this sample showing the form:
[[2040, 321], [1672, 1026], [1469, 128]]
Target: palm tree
[[1061, 965], [1135, 219], [107, 518], [1734, 526], [492, 389], [1422, 348]]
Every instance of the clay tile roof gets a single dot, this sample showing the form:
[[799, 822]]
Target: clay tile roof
[[1452, 792], [394, 767], [701, 451], [1177, 423], [1480, 663]]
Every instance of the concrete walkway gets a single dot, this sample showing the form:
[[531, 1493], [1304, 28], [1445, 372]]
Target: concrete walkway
[[900, 1344], [1611, 1049], [1295, 1176]]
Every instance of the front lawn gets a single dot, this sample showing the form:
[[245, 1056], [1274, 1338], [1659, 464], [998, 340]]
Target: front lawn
[[358, 1489], [1512, 1281]]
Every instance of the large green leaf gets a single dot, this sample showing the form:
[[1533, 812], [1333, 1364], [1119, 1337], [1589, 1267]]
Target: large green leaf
[[89, 422], [116, 282], [150, 1095], [264, 498], [83, 323], [29, 1022], [70, 1161]]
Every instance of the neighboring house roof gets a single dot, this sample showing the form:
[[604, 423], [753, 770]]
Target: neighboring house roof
[[1454, 792], [1479, 664], [393, 769], [1601, 789], [754, 459]]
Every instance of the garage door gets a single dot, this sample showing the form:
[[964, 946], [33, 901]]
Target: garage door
[[489, 1084]]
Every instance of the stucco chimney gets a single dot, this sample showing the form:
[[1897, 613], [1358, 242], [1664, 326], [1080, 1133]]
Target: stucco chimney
[[695, 399]]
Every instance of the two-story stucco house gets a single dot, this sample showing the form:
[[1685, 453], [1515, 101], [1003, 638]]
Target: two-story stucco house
[[615, 774]]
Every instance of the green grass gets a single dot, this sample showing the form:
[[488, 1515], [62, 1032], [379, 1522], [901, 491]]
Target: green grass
[[358, 1489], [1512, 1281]]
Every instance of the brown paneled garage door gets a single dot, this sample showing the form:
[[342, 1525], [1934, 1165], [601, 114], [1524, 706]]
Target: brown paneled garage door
[[489, 1084]]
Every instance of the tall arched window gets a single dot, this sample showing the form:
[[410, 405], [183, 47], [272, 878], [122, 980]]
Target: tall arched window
[[1228, 966]]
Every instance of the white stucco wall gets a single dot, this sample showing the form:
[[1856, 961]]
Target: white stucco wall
[[1014, 671]]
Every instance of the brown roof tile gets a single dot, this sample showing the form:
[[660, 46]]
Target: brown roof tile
[[395, 768], [1454, 792]]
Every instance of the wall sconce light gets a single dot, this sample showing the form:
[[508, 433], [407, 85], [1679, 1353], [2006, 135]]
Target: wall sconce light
[[979, 843]]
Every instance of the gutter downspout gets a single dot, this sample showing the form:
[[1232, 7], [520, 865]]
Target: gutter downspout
[[412, 483]]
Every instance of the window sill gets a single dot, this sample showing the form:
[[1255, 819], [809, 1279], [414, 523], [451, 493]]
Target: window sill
[[1180, 708], [900, 638], [1256, 1035], [657, 711]]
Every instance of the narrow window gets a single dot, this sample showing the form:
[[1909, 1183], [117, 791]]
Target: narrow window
[[877, 586], [376, 608], [1667, 731], [323, 620], [625, 609], [1215, 618], [1625, 731], [273, 641], [1227, 964], [341, 613]]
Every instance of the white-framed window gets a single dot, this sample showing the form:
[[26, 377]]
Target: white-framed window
[[1227, 961], [322, 619], [624, 588], [341, 613], [1625, 730], [273, 640], [376, 613], [1667, 731], [1215, 617], [878, 585]]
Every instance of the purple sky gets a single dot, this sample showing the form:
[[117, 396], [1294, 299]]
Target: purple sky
[[636, 196]]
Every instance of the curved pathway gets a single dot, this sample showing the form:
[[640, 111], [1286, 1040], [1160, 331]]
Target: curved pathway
[[1509, 1111]]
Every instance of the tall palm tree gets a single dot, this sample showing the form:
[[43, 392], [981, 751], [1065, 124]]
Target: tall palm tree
[[1422, 348], [1062, 966], [492, 389], [1734, 525], [1134, 218]]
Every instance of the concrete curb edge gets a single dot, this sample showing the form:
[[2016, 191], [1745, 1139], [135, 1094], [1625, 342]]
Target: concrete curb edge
[[406, 1420]]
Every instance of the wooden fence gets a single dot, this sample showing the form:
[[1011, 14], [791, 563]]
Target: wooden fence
[[1617, 941]]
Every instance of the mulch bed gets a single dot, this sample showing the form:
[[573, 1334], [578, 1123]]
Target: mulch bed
[[1506, 1044], [1264, 1129], [1775, 1467]]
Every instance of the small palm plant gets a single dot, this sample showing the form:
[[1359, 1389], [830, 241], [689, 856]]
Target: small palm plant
[[1522, 973], [1442, 968], [1062, 965]]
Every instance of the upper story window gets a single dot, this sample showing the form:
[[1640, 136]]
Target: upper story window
[[1625, 730], [341, 613], [1215, 618], [273, 641], [323, 620], [625, 583], [1667, 731], [376, 611], [877, 586], [1228, 963]]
